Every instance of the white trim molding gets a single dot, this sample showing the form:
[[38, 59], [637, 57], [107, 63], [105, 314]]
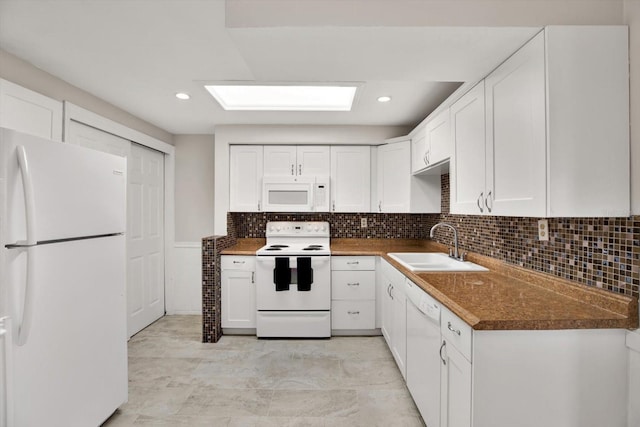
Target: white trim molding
[[78, 114]]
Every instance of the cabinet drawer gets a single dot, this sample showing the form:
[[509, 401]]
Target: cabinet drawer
[[456, 332], [353, 314], [353, 263], [353, 285], [234, 262]]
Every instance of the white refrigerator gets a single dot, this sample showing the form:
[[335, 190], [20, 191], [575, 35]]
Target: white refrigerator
[[63, 342]]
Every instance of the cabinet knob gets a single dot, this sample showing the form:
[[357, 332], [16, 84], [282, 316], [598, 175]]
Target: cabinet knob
[[300, 169], [353, 284], [380, 206], [353, 312], [293, 170], [444, 343], [486, 201]]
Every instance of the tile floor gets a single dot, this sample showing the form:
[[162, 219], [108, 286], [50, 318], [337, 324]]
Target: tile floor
[[175, 380]]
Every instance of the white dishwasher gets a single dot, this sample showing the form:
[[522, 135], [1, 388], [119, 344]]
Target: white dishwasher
[[423, 352]]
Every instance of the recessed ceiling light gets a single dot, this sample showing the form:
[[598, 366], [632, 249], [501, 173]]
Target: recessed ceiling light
[[384, 99], [283, 98], [183, 95]]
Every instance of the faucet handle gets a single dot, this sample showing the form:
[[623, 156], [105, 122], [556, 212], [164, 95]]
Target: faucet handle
[[462, 255], [450, 252]]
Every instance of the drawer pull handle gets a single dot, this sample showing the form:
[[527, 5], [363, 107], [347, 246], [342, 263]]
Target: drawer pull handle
[[455, 331], [353, 262], [353, 312], [444, 343], [353, 284], [238, 262]]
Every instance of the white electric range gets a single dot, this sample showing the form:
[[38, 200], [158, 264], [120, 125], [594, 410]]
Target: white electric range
[[293, 281]]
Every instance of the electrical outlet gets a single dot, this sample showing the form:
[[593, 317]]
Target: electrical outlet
[[543, 230], [363, 222]]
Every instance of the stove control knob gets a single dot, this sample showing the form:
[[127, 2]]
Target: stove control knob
[[316, 228], [308, 227], [271, 228], [278, 228], [323, 228]]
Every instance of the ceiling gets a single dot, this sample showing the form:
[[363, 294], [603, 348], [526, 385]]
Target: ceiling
[[137, 54]]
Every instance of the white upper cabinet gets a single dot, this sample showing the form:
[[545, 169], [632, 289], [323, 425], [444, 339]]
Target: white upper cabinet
[[419, 147], [555, 141], [467, 169], [350, 178], [245, 178], [397, 190], [439, 137], [27, 111], [393, 177], [431, 145], [515, 134], [296, 160], [280, 160]]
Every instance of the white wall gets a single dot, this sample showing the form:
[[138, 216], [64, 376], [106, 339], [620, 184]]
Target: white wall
[[632, 19], [24, 74], [282, 134], [194, 220], [194, 187]]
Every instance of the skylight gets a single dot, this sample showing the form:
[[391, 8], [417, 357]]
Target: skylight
[[283, 98]]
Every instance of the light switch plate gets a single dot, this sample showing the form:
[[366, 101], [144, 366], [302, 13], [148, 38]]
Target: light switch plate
[[543, 230]]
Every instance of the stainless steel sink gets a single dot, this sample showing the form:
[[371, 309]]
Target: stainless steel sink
[[433, 261]]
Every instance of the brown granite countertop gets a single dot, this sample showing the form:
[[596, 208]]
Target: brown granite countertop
[[505, 298], [245, 247]]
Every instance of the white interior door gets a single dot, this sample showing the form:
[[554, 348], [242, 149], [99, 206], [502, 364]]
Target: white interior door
[[145, 222], [145, 238]]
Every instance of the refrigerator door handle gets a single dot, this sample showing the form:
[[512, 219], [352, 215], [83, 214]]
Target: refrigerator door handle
[[30, 206], [24, 322]]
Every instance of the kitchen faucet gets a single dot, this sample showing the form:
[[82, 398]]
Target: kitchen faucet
[[456, 255]]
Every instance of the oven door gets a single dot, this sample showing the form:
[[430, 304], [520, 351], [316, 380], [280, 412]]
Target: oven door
[[274, 296]]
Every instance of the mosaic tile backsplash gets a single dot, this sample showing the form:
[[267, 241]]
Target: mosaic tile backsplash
[[343, 225], [601, 252]]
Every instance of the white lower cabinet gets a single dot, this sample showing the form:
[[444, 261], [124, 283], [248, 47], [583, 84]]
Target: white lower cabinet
[[394, 314], [503, 378], [238, 292], [353, 295], [529, 378]]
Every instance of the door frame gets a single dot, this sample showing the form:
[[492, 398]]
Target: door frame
[[78, 114]]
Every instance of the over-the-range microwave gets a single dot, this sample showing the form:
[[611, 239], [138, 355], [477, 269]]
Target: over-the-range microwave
[[295, 194]]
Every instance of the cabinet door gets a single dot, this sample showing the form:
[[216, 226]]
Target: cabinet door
[[516, 134], [280, 160], [399, 334], [394, 174], [455, 383], [245, 178], [350, 178], [238, 299], [27, 111], [468, 158], [387, 309], [439, 138], [313, 160], [419, 151]]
